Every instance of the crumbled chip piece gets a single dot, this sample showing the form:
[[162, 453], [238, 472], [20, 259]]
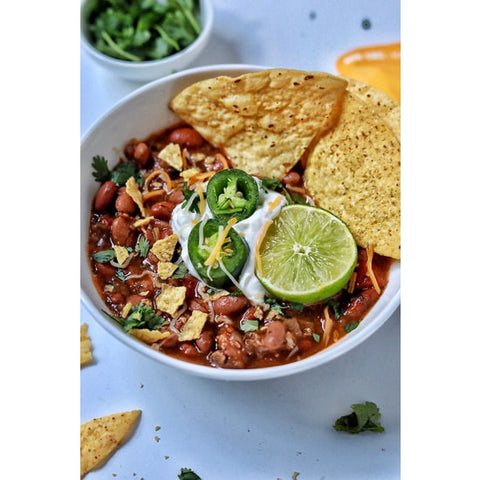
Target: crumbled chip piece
[[126, 310], [133, 190], [143, 221], [172, 155], [163, 249], [121, 253], [193, 327], [101, 437], [165, 269], [189, 173], [170, 299], [148, 336], [86, 356]]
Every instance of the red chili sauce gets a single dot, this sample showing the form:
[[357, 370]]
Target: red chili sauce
[[286, 332]]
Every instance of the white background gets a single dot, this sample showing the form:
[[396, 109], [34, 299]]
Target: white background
[[270, 429]]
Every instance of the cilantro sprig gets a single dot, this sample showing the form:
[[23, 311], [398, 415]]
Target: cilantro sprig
[[364, 417], [119, 175], [140, 316], [276, 185]]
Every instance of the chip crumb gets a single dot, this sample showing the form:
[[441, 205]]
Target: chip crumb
[[295, 475], [157, 428], [157, 438], [166, 457], [172, 155], [86, 356]]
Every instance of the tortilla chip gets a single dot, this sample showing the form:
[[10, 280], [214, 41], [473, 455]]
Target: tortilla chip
[[193, 326], [354, 172], [101, 437], [263, 121], [172, 155], [164, 248], [148, 336], [170, 299], [380, 103], [166, 269], [131, 187], [86, 356]]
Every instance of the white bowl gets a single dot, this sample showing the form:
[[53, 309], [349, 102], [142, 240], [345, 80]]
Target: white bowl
[[152, 69], [149, 105]]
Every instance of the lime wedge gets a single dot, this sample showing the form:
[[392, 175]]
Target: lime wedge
[[306, 255]]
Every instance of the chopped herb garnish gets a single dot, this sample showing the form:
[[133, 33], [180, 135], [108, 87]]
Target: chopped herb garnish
[[316, 337], [101, 172], [277, 186], [297, 306], [350, 326], [235, 293], [188, 474], [335, 306], [142, 246], [180, 272], [140, 316], [120, 274], [365, 417], [104, 256], [249, 325], [274, 305], [124, 171]]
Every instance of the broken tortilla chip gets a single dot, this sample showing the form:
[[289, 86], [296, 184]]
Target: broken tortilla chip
[[101, 437], [86, 356], [263, 121], [354, 172]]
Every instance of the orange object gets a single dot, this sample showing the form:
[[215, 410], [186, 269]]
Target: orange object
[[377, 65]]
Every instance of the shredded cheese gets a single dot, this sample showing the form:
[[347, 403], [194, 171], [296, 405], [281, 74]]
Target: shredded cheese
[[153, 194], [370, 271], [258, 261], [221, 239], [273, 204], [201, 200], [221, 158], [327, 329], [200, 177], [163, 174], [351, 283]]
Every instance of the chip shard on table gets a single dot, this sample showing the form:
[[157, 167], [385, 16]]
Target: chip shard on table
[[86, 356], [101, 437]]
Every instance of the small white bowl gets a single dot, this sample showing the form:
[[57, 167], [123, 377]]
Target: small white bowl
[[149, 106], [152, 69]]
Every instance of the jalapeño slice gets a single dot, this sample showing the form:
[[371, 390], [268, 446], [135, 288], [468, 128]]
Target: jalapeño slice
[[232, 254], [232, 193]]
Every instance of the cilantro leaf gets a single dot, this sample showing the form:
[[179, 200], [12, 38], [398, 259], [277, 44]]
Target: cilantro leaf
[[188, 474], [124, 171], [142, 316], [104, 256], [187, 194], [365, 417], [101, 172], [180, 272], [350, 327], [249, 325], [142, 246]]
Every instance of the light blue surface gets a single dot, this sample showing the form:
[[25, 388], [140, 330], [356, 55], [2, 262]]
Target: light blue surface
[[260, 430]]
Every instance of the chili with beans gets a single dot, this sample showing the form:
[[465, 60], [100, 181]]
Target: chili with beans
[[236, 332]]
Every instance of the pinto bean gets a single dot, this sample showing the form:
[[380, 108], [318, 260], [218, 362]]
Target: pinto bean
[[231, 351], [205, 341], [292, 178], [186, 137], [105, 195], [230, 305], [176, 196], [125, 204], [135, 299], [162, 210], [275, 335], [121, 232], [105, 270], [141, 154], [188, 350]]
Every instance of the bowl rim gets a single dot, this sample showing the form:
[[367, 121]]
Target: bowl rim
[[207, 11], [344, 345]]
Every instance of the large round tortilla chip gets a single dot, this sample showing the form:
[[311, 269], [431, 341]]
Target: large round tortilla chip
[[380, 103], [354, 172], [264, 121]]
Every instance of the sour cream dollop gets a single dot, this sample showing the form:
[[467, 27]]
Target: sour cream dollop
[[250, 228]]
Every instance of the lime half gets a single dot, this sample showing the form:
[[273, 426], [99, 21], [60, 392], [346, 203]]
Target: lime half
[[306, 255]]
